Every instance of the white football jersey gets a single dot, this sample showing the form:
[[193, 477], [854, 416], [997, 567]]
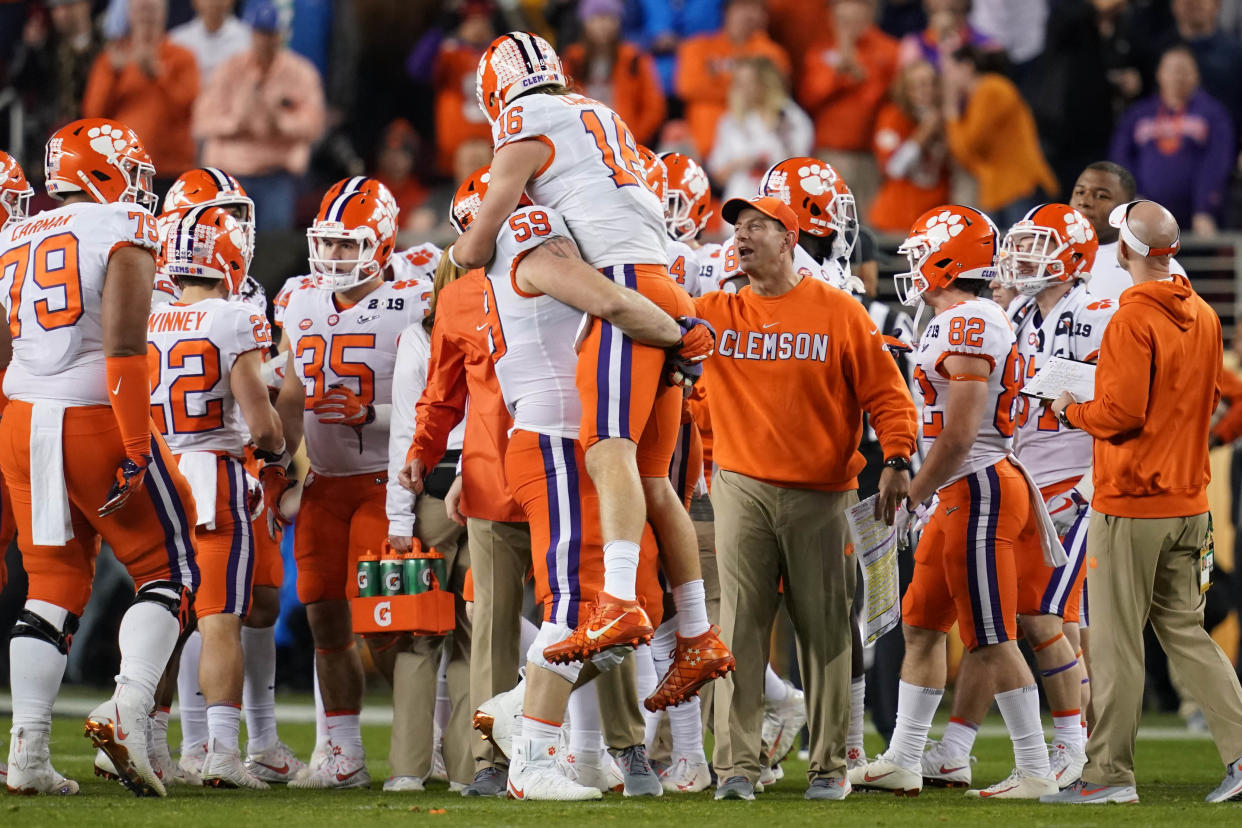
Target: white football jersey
[[417, 263], [977, 328], [1109, 278], [594, 178], [252, 293], [710, 257], [195, 347], [291, 286], [1073, 330], [531, 338], [355, 347], [683, 266], [52, 270]]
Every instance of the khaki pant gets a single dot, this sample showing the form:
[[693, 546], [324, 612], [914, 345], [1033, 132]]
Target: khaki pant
[[1148, 569], [621, 721], [417, 666], [764, 534], [500, 556]]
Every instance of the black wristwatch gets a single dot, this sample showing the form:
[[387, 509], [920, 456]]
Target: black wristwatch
[[898, 463], [1063, 418]]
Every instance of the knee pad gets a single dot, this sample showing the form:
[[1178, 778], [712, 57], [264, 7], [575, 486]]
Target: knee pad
[[548, 635], [177, 598], [32, 624]]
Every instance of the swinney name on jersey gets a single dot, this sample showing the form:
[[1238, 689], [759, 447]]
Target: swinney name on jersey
[[171, 320], [772, 346]]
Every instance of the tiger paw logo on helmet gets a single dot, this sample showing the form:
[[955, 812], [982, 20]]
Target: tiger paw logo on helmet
[[942, 227], [1078, 228], [816, 179], [108, 141]]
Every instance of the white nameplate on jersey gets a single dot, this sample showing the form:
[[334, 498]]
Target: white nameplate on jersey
[[1060, 374]]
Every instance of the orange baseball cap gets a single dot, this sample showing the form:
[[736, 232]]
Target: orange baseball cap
[[770, 206]]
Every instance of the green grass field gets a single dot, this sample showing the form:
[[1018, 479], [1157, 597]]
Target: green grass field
[[1174, 776]]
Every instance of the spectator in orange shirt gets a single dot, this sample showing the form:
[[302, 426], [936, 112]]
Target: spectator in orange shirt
[[458, 117], [912, 151], [148, 83], [844, 81], [614, 73], [992, 134], [705, 66]]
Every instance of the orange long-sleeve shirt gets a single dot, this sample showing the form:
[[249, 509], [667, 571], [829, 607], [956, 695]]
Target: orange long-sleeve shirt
[[843, 105], [1156, 385], [705, 72], [996, 140], [820, 362], [1229, 427], [924, 182], [634, 85], [461, 368], [157, 108], [458, 117]]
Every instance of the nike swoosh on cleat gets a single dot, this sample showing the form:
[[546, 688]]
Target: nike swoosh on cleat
[[986, 794], [120, 734], [515, 792], [282, 769], [342, 777], [943, 769], [595, 635], [867, 777]]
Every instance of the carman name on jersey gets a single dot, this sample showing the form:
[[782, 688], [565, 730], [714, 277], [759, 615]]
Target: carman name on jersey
[[772, 346]]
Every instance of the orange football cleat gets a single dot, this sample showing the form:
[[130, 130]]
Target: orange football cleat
[[696, 661], [611, 623]]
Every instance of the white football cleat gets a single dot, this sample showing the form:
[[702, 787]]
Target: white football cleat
[[1067, 764], [404, 784], [318, 756], [767, 776], [338, 770], [276, 765], [225, 770], [30, 770], [118, 727], [438, 770], [945, 771], [541, 778], [855, 764], [169, 772], [191, 761], [584, 771], [882, 774], [1018, 785], [782, 721], [685, 776], [500, 717]]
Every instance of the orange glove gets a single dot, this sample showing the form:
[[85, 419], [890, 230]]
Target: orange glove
[[274, 482], [343, 407], [698, 339]]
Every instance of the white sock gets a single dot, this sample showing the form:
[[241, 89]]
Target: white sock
[[620, 569], [159, 725], [959, 737], [223, 723], [1067, 728], [444, 704], [36, 668], [259, 687], [345, 731], [686, 724], [1020, 710], [647, 678], [321, 719], [916, 706], [691, 601], [541, 738], [858, 692], [586, 739], [148, 634], [774, 687], [191, 704]]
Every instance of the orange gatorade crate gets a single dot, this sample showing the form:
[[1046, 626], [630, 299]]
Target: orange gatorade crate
[[428, 613]]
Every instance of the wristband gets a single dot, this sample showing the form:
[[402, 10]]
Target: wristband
[[452, 260]]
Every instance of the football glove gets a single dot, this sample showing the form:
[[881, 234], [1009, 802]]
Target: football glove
[[1064, 510], [683, 374], [343, 407], [698, 339], [275, 482], [912, 517], [129, 477]]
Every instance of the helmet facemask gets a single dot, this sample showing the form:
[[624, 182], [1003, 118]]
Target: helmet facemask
[[341, 274], [912, 284], [16, 203], [1029, 259]]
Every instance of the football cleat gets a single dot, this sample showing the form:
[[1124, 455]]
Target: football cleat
[[225, 770], [945, 771], [278, 764], [1067, 764], [337, 770], [685, 776], [696, 661], [1084, 793], [882, 774], [584, 770], [500, 717], [118, 727], [767, 776], [611, 623], [439, 772], [169, 772], [782, 721], [30, 770], [539, 778], [855, 761], [191, 761], [1019, 784], [404, 784]]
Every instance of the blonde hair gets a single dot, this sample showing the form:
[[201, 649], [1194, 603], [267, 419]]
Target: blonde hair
[[446, 274], [770, 78]]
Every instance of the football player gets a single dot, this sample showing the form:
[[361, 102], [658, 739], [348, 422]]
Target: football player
[[78, 431], [988, 518], [577, 157], [342, 345]]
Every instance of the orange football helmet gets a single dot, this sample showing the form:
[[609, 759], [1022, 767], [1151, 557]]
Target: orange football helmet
[[514, 64], [101, 158], [15, 191], [1052, 243], [469, 198], [361, 210], [655, 173], [209, 185], [206, 242], [688, 199], [818, 196], [946, 244]]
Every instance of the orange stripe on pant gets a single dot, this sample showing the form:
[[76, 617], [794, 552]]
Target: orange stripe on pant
[[152, 534], [339, 519], [226, 553], [622, 382]]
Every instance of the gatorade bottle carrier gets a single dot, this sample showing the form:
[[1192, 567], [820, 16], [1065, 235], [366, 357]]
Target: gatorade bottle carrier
[[424, 608]]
